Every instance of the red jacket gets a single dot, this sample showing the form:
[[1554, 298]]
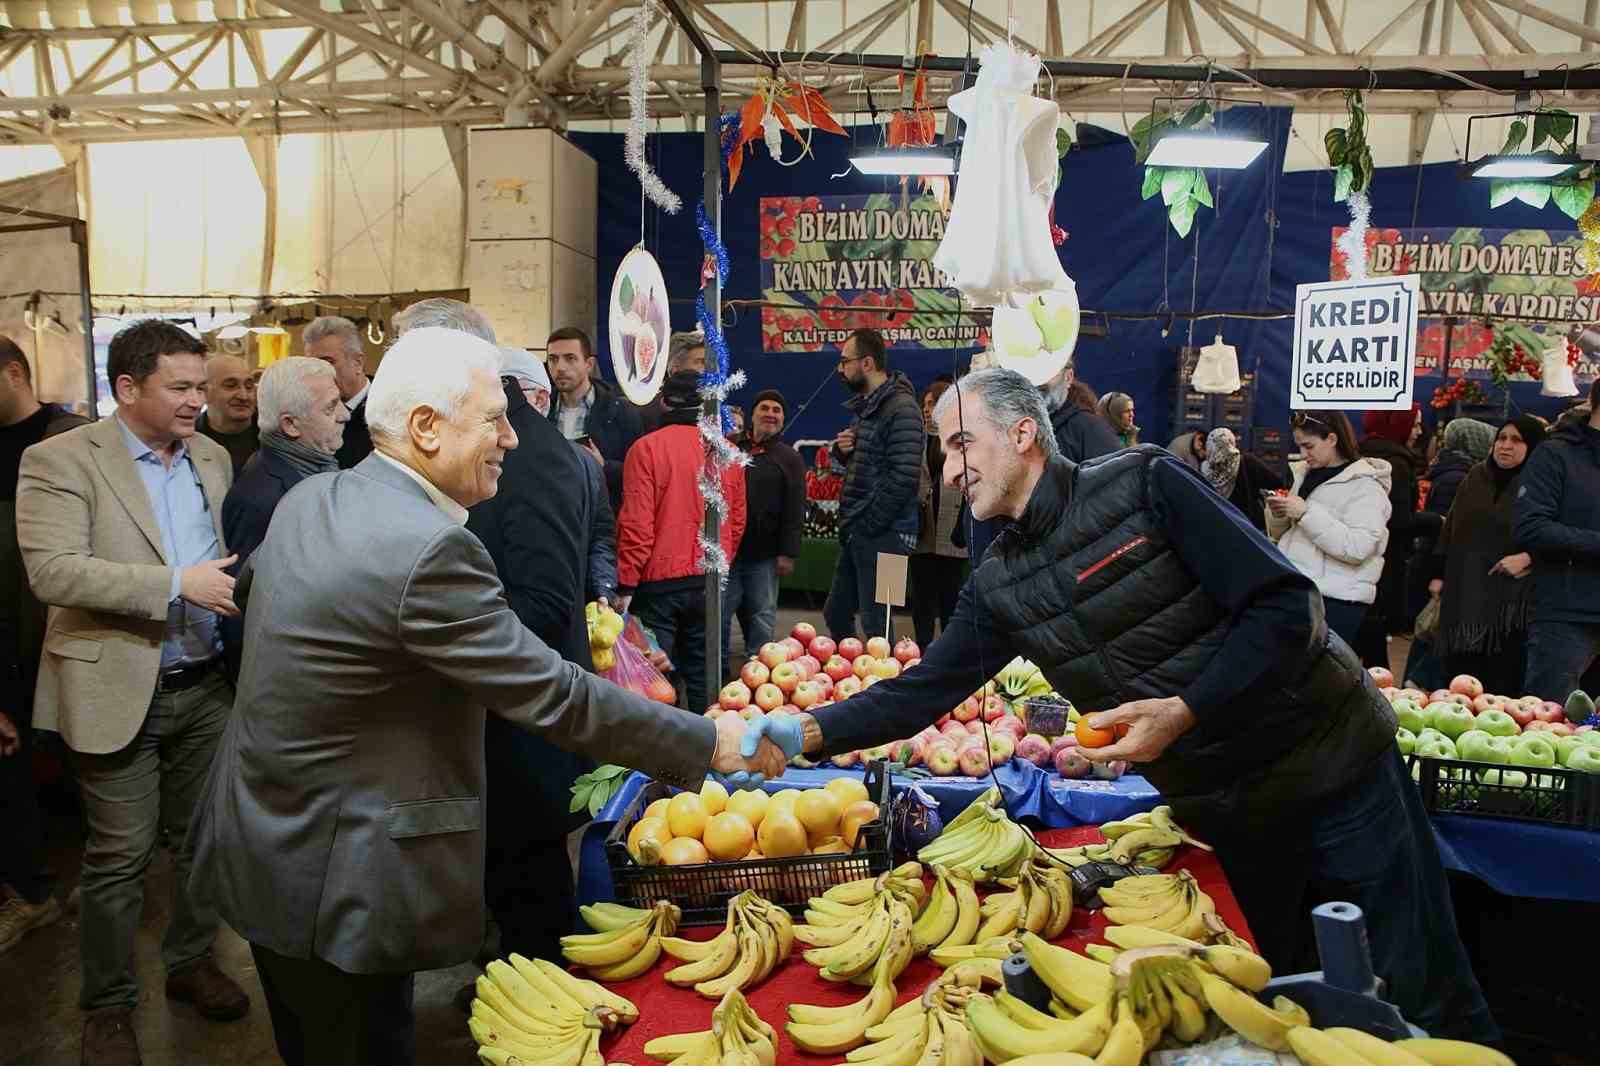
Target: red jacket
[[663, 512]]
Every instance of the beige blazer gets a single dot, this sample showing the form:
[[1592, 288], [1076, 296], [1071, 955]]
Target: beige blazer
[[92, 548]]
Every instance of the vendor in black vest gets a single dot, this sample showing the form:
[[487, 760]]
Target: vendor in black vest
[[1146, 597]]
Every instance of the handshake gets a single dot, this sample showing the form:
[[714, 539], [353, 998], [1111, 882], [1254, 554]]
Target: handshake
[[749, 753]]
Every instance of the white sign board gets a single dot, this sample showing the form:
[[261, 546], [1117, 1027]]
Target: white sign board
[[1355, 344]]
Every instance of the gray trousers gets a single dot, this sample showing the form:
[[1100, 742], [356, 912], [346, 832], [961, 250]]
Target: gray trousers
[[129, 797]]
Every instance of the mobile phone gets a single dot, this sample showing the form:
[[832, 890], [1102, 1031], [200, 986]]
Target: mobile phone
[[583, 440]]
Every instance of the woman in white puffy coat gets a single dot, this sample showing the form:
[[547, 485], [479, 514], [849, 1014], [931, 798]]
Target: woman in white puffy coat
[[1334, 523]]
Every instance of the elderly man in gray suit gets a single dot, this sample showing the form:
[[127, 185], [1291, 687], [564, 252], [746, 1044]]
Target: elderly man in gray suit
[[342, 828]]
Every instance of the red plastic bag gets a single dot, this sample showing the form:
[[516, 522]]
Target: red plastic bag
[[633, 671]]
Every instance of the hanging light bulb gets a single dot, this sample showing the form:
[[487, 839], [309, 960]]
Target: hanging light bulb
[[1554, 371], [1218, 369]]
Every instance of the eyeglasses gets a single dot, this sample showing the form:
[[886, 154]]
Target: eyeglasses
[[846, 360], [1300, 420]]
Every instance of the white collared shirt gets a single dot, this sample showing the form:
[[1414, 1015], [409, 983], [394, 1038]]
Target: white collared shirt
[[356, 401], [452, 510]]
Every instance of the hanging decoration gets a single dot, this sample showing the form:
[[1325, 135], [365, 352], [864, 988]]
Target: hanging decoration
[[716, 384], [1589, 226], [1554, 130], [777, 104], [639, 328], [1351, 159], [1217, 370], [1557, 363], [913, 125], [1463, 391], [1508, 358], [1036, 336], [1184, 190], [633, 141]]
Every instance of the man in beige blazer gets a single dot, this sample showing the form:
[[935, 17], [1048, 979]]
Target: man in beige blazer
[[119, 523]]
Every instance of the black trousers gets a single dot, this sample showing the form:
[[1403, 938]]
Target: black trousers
[[933, 586], [678, 619], [22, 861], [322, 1016], [1371, 845]]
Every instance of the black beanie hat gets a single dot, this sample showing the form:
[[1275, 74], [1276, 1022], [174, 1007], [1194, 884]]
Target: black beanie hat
[[770, 394]]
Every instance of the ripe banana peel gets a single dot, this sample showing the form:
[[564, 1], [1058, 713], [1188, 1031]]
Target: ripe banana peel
[[533, 1011]]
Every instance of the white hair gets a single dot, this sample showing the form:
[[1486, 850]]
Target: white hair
[[428, 366], [441, 312], [285, 389], [1004, 398], [333, 326]]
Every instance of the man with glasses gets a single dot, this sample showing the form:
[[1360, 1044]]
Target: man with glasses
[[878, 506]]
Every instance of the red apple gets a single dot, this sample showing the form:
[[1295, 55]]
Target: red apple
[[955, 732], [715, 711], [824, 685], [1001, 747], [943, 718], [1446, 696], [769, 697], [792, 649], [1035, 749], [1485, 702], [974, 760], [809, 665], [836, 668], [1538, 725], [968, 709], [1391, 693], [1467, 685], [851, 649], [1415, 695], [993, 708], [878, 648], [755, 674], [870, 680], [773, 654], [1550, 711], [941, 759], [1069, 764], [1530, 702], [822, 648], [1382, 676], [975, 727], [1561, 729], [786, 676], [862, 666], [804, 632], [909, 752], [906, 650], [1066, 740], [1521, 713], [751, 713], [787, 708], [846, 687], [1012, 724], [806, 694], [912, 662], [735, 696], [886, 668]]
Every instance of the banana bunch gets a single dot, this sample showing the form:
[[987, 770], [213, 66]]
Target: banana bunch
[[1006, 1028], [884, 948], [930, 1030], [1019, 679], [737, 1037], [533, 1011], [994, 950], [628, 941], [1171, 903], [951, 917], [1040, 903], [1148, 834], [981, 840], [1080, 983], [756, 938], [842, 912], [605, 626]]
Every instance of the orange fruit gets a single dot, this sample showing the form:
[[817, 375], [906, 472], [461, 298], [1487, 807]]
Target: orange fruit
[[654, 828], [818, 810], [715, 797], [831, 846], [1090, 737], [686, 815], [858, 814], [781, 835], [783, 802], [683, 851], [729, 836], [847, 790], [750, 802], [658, 809]]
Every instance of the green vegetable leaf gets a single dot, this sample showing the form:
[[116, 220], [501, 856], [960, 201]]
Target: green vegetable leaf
[[1514, 136], [1337, 145], [1534, 193], [1181, 215], [1202, 189], [581, 792], [625, 296], [1176, 182], [1552, 126], [1343, 177], [1194, 115], [1574, 199], [1152, 181], [1502, 191]]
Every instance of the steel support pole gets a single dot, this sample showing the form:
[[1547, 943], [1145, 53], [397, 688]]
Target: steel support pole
[[80, 237]]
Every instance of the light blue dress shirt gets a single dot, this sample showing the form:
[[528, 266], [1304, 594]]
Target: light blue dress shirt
[[188, 537]]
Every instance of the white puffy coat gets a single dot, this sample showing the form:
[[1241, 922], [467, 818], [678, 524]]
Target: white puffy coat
[[1339, 541]]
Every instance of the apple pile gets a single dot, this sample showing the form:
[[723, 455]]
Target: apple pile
[[1464, 722]]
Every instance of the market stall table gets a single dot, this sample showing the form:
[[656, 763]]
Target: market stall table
[[1522, 858], [664, 1010]]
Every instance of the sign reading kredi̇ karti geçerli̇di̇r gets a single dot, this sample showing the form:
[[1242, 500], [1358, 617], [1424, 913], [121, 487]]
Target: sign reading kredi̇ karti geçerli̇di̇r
[[1355, 344]]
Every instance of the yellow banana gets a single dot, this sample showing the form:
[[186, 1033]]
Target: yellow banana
[[996, 948], [1201, 906], [1125, 1045], [853, 893], [1124, 893], [1059, 887], [1001, 1038], [1053, 1058], [837, 912], [540, 1002], [608, 949], [779, 920], [744, 970], [1316, 1048], [1188, 1016], [604, 917], [844, 1033], [897, 949], [1061, 1010], [968, 910], [1245, 1014], [586, 993], [1023, 1013], [933, 1041], [938, 918], [975, 973], [1100, 953], [902, 1049], [630, 968], [713, 963], [1454, 1053], [667, 1048], [1129, 937], [1377, 1051], [1036, 912], [959, 1047], [496, 1019], [1244, 968], [1292, 1012], [528, 1016], [1077, 981], [856, 957], [1003, 919], [1161, 912]]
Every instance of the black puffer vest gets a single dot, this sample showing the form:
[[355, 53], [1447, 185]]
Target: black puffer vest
[[1087, 585]]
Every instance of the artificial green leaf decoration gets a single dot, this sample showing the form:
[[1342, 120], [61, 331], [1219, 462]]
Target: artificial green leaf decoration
[[1342, 179], [1348, 152], [1514, 135], [1184, 190], [1181, 215], [1554, 126], [1535, 194], [1574, 199], [1338, 145], [1152, 181], [1176, 182], [1202, 189]]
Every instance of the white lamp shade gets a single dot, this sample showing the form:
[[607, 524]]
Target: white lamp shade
[[1218, 369], [1554, 372]]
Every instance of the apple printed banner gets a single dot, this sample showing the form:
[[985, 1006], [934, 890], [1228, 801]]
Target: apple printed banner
[[832, 264], [1530, 284]]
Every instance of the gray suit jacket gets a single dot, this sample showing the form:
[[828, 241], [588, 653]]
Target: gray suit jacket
[[343, 818]]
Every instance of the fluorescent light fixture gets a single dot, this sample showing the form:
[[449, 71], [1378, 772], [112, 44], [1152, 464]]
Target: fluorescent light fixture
[[913, 161], [1535, 165], [233, 333], [1204, 150]]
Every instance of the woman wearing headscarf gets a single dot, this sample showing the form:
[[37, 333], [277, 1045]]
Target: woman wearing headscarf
[[1239, 477], [1485, 599], [1117, 409], [1190, 446], [1465, 441], [1390, 436]]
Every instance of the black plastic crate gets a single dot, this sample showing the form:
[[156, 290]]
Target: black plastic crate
[[703, 891], [1554, 796]]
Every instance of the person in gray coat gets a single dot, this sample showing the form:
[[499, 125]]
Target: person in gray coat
[[341, 829]]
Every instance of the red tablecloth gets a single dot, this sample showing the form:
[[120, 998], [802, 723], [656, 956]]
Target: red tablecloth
[[664, 1009]]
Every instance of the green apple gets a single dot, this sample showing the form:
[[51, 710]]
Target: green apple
[[1533, 751], [1441, 748], [1409, 715], [1451, 719], [1497, 722], [1508, 778], [1565, 746], [1591, 737], [1479, 746], [1429, 733], [1406, 739], [1585, 757]]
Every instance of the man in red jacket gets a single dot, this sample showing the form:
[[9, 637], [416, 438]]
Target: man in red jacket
[[659, 526]]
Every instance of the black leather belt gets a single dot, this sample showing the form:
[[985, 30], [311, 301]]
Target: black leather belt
[[184, 677]]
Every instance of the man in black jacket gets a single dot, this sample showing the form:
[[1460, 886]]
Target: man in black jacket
[[336, 342], [775, 512], [878, 505], [537, 529], [1558, 521], [1147, 598], [587, 410]]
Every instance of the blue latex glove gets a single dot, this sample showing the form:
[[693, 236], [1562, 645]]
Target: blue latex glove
[[782, 729], [739, 780]]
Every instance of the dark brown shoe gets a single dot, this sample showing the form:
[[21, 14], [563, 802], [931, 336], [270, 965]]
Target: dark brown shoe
[[108, 1039], [214, 994]]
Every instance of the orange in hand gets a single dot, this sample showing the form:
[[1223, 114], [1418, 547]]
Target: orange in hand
[[1090, 737]]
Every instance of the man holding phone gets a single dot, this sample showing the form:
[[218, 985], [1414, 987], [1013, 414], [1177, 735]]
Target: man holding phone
[[588, 411]]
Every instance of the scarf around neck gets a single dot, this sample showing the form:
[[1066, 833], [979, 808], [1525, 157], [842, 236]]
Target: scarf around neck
[[302, 457], [1221, 464]]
